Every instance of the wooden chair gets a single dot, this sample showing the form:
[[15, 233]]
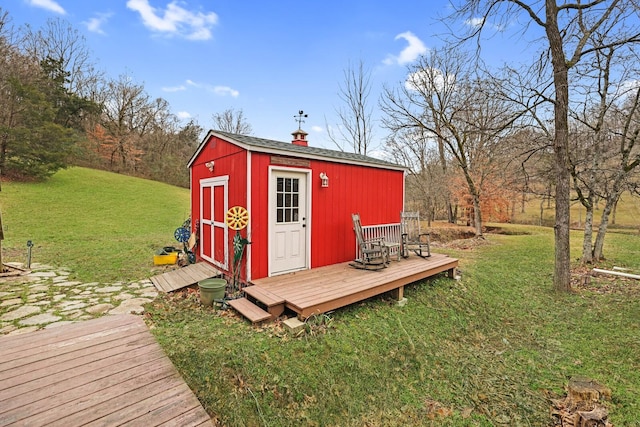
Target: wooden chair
[[412, 238], [373, 252]]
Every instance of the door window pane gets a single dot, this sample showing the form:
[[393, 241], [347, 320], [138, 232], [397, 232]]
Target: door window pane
[[287, 200]]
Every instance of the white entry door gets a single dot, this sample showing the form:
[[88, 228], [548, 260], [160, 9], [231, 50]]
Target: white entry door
[[288, 204]]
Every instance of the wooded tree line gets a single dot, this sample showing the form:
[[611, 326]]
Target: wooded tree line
[[57, 109]]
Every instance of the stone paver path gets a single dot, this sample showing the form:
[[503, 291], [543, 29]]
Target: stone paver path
[[46, 298]]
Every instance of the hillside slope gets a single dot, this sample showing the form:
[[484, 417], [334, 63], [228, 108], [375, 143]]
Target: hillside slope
[[103, 226]]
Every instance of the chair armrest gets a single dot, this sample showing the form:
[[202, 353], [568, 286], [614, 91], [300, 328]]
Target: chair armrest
[[376, 241]]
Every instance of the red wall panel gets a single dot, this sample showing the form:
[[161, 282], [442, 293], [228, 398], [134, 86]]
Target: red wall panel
[[260, 215], [229, 160], [376, 194]]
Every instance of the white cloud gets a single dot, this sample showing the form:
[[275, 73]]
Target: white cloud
[[95, 24], [480, 21], [627, 87], [174, 88], [409, 53], [475, 22], [50, 5], [431, 79], [218, 90], [175, 20], [183, 115], [225, 90], [317, 129]]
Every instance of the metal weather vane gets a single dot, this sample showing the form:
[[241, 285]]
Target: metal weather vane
[[299, 118]]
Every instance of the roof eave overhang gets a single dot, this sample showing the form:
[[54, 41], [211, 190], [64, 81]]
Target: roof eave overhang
[[276, 151]]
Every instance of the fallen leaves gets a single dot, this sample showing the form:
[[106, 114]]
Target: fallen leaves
[[584, 280], [436, 409]]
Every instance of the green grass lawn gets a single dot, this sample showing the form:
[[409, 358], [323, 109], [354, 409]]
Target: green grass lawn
[[490, 349], [103, 226]]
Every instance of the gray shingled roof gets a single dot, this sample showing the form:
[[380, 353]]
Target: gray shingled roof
[[342, 156]]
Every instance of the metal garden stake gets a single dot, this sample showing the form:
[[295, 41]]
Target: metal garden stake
[[29, 246]]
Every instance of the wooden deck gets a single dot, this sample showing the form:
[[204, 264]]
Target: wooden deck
[[323, 289], [106, 371], [183, 277]]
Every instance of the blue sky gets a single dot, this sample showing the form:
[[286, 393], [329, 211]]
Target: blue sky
[[268, 58]]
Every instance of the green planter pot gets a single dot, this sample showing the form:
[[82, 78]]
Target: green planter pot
[[211, 289]]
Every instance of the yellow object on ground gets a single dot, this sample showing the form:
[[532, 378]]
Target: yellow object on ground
[[170, 258]]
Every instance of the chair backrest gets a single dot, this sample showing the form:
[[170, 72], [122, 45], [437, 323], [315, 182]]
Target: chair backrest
[[410, 222], [357, 227]]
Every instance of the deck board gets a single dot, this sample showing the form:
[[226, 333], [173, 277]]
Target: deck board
[[327, 288], [183, 277], [106, 371]]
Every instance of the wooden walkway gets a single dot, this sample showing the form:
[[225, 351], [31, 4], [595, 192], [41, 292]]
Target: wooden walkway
[[323, 289], [183, 277], [107, 371]]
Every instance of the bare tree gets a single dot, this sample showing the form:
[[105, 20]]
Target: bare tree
[[588, 142], [568, 29], [59, 41], [354, 128], [128, 115], [625, 136], [232, 121], [445, 99], [427, 189]]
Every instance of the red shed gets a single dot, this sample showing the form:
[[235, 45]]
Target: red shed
[[299, 198]]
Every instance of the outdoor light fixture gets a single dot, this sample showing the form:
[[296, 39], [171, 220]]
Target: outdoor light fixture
[[209, 165], [325, 179]]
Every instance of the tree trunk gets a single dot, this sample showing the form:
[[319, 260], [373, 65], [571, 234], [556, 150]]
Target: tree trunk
[[451, 219], [613, 214], [477, 215], [451, 214], [4, 142], [609, 206], [562, 270], [587, 246], [475, 196]]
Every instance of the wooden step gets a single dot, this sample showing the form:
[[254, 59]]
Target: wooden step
[[249, 310], [273, 303], [263, 295]]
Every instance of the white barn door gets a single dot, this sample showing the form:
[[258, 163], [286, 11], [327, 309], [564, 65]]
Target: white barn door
[[214, 234]]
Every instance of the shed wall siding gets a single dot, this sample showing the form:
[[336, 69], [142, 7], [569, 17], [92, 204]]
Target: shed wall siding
[[374, 193], [228, 160], [377, 194]]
